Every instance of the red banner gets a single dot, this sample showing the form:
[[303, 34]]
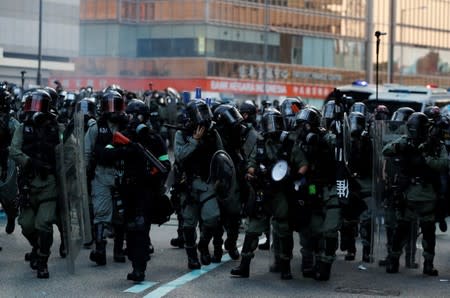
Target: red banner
[[220, 85]]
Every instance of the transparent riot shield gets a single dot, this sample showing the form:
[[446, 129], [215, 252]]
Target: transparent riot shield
[[72, 191], [223, 175], [381, 208], [8, 188]]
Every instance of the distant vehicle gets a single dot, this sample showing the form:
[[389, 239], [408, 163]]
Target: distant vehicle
[[415, 97], [358, 90]]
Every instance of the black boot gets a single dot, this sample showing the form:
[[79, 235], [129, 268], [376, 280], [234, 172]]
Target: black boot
[[428, 268], [98, 255], [276, 265], [286, 269], [205, 257], [138, 273], [42, 269], [410, 261], [323, 271], [177, 242], [119, 237], [389, 235], [62, 248], [243, 270], [10, 224], [233, 252], [308, 270], [366, 256], [193, 262], [119, 256], [32, 257], [392, 265], [218, 251]]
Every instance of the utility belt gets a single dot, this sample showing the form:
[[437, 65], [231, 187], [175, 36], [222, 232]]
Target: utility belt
[[308, 196]]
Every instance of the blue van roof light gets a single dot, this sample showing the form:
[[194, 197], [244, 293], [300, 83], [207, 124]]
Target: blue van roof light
[[361, 83]]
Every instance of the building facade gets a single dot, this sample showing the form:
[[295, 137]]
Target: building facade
[[19, 41], [259, 48]]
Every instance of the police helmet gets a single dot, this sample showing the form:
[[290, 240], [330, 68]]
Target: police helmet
[[86, 106], [227, 115], [308, 115], [248, 107], [417, 126], [290, 107], [359, 107], [199, 113], [112, 102], [432, 112], [114, 87], [402, 114], [53, 95], [138, 107], [37, 101], [272, 121]]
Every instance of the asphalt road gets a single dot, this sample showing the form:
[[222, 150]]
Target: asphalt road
[[168, 276]]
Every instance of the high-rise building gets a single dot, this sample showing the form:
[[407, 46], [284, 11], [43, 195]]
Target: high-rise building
[[246, 48], [19, 39]]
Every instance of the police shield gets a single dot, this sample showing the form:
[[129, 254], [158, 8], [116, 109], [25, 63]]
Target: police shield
[[72, 191], [222, 175], [8, 187], [383, 183]]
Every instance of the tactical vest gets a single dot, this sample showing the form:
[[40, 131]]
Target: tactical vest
[[322, 162], [40, 142], [104, 137], [198, 163], [137, 169]]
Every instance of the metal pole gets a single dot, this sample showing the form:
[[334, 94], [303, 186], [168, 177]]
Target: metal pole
[[377, 35], [38, 78], [369, 47], [22, 73]]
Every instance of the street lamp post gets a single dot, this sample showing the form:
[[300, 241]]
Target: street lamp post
[[402, 18]]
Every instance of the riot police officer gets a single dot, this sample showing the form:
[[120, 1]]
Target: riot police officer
[[230, 127], [360, 158], [141, 184], [419, 183], [270, 201], [318, 211], [33, 148], [194, 148], [395, 128], [98, 140]]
